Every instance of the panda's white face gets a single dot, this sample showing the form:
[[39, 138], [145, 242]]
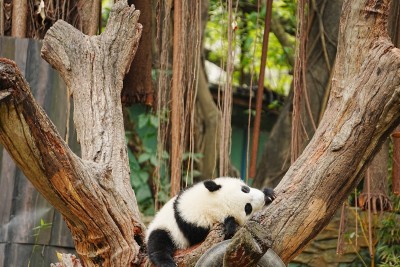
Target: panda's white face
[[232, 197]]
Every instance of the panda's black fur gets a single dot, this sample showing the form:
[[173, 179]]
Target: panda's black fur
[[186, 219]]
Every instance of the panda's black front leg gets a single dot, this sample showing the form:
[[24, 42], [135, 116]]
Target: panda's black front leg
[[230, 227], [269, 195], [160, 249]]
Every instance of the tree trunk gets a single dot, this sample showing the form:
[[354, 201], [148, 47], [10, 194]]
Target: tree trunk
[[2, 13], [138, 83], [93, 193], [90, 16], [19, 17], [210, 117], [361, 112]]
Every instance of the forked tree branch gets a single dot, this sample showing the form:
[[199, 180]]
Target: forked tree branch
[[93, 193], [362, 111]]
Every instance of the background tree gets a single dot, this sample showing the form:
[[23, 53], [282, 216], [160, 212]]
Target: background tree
[[321, 51]]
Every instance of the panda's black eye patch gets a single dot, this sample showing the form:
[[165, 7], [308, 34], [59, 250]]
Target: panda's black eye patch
[[248, 208], [245, 189]]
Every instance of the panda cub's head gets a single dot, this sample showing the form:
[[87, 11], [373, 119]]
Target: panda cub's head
[[186, 219]]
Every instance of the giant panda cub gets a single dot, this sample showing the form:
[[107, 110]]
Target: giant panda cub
[[187, 218]]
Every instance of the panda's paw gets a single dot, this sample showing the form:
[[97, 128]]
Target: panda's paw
[[230, 226], [269, 195]]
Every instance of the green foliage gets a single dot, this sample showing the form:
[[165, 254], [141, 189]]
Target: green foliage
[[139, 181], [285, 9], [146, 159], [247, 41], [105, 12], [389, 237], [389, 231]]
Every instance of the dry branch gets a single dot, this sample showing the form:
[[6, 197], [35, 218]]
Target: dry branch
[[362, 111], [93, 193]]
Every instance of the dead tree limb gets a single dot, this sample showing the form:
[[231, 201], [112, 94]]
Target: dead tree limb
[[93, 192], [361, 113]]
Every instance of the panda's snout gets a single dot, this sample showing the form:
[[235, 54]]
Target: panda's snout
[[269, 195]]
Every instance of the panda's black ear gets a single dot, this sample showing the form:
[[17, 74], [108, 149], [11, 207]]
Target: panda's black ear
[[211, 185]]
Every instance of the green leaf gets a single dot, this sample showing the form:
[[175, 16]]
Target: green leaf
[[154, 160], [144, 177], [144, 157], [165, 155], [143, 120], [196, 173], [143, 193], [135, 180], [154, 121], [133, 163]]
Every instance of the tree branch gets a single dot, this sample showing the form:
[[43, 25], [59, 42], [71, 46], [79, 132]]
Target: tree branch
[[93, 193], [362, 111]]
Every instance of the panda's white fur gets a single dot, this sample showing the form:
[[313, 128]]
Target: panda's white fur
[[199, 207]]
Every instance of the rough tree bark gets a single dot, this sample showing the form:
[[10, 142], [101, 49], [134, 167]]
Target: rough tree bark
[[138, 84], [362, 111], [19, 17], [90, 14], [94, 194]]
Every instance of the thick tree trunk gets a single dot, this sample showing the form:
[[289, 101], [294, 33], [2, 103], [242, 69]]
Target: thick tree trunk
[[362, 111], [90, 16], [93, 193], [138, 83]]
